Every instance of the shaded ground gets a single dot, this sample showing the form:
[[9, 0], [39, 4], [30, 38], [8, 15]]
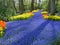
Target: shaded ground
[[34, 31]]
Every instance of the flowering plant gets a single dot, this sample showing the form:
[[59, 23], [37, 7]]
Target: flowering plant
[[44, 12], [2, 27], [35, 10], [51, 17], [23, 16]]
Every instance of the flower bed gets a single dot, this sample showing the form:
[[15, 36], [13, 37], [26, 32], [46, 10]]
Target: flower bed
[[51, 17], [55, 18], [35, 10], [2, 27], [24, 16]]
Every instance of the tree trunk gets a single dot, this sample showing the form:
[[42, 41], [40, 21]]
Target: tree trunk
[[21, 6], [52, 7], [48, 7], [6, 9], [40, 6], [32, 5], [14, 6]]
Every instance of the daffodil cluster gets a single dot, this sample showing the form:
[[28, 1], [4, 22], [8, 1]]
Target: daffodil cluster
[[2, 28], [55, 18], [35, 10], [21, 17], [51, 17], [44, 12], [1, 31]]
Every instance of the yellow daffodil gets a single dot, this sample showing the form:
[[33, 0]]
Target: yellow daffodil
[[44, 12], [22, 16], [52, 17], [35, 11], [46, 17], [1, 28]]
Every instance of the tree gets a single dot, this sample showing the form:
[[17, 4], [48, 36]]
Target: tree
[[52, 7], [14, 6], [32, 5], [6, 9], [21, 6], [48, 7], [40, 4]]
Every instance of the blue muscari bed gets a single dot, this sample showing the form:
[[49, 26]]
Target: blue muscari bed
[[34, 31]]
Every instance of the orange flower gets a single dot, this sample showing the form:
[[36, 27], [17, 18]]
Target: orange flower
[[2, 24], [30, 12], [44, 15]]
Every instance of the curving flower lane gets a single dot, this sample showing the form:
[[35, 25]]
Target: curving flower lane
[[34, 31]]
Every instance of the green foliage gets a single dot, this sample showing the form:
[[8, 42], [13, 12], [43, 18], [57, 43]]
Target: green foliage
[[2, 12], [27, 6], [57, 42], [6, 11], [58, 8], [2, 33], [44, 5]]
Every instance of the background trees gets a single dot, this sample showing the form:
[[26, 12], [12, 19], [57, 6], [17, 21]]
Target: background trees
[[32, 5], [51, 7], [14, 7], [21, 6], [7, 9]]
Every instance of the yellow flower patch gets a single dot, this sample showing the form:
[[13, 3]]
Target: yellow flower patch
[[22, 16], [52, 17], [1, 28], [35, 10], [44, 12]]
